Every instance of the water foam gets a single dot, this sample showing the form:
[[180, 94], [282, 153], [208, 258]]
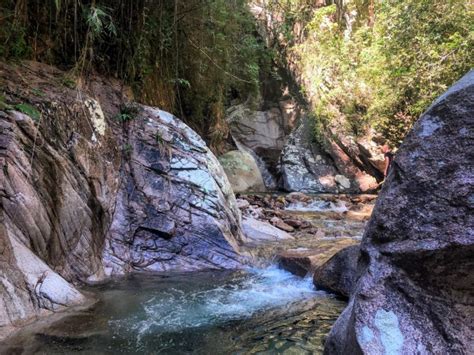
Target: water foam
[[318, 206], [175, 309]]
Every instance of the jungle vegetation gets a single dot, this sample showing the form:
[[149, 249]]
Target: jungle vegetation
[[369, 63], [187, 57], [375, 63]]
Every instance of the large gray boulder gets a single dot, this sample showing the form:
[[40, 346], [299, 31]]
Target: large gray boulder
[[415, 294], [262, 132], [305, 167], [176, 209], [339, 274], [261, 232], [85, 196], [242, 171], [257, 130], [323, 167], [303, 261]]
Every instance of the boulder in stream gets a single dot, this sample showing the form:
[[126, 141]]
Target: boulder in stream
[[305, 261], [339, 273], [415, 294], [259, 231], [176, 209], [242, 171]]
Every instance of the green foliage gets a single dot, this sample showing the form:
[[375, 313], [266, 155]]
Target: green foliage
[[381, 71], [426, 46], [38, 92], [159, 139], [29, 110], [13, 37], [99, 21], [127, 149], [4, 105], [128, 112], [68, 81], [188, 57], [363, 66], [181, 82]]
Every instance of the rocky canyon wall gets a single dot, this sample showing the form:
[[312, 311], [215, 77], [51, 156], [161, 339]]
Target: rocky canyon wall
[[93, 186], [415, 292], [337, 160]]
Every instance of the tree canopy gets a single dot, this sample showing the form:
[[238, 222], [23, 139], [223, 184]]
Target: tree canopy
[[375, 63]]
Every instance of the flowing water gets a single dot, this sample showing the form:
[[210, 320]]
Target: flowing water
[[253, 311]]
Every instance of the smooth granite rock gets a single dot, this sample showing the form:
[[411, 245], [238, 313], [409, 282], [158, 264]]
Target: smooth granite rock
[[85, 196], [339, 273], [258, 231], [415, 294], [242, 171]]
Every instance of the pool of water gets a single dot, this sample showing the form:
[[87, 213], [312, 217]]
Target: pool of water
[[253, 311], [260, 310]]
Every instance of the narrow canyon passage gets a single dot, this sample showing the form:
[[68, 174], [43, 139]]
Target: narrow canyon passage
[[236, 177], [259, 308]]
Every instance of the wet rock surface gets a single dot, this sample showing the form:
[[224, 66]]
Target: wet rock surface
[[339, 274], [305, 261], [321, 226], [415, 292]]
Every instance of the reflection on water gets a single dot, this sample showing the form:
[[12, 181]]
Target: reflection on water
[[253, 311]]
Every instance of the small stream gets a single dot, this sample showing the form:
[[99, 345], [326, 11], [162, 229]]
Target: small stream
[[262, 310], [252, 311]]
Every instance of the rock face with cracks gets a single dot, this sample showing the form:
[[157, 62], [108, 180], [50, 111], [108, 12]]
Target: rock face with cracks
[[304, 166], [416, 289], [333, 167], [84, 196], [176, 210]]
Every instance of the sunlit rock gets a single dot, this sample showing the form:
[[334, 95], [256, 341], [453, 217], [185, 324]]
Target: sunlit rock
[[258, 231], [176, 209], [84, 197], [415, 292], [242, 171]]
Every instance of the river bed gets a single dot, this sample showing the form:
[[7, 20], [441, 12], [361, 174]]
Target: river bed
[[249, 311], [257, 310]]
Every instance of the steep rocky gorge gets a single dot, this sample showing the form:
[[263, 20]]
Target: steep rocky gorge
[[281, 131], [91, 188], [94, 185], [280, 138]]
